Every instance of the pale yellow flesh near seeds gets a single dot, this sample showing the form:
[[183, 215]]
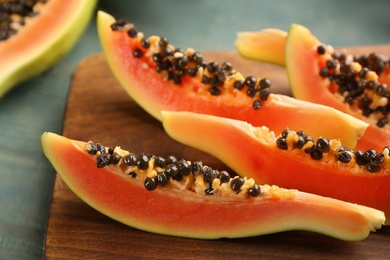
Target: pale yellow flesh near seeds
[[266, 45]]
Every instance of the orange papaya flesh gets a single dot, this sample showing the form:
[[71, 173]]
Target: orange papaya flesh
[[291, 159], [364, 100], [36, 34], [166, 78], [266, 45], [203, 203], [351, 84], [363, 94]]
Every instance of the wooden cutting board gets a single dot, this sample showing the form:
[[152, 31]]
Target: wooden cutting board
[[98, 109]]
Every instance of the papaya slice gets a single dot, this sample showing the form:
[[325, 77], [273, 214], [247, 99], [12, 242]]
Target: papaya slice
[[36, 34], [326, 78], [159, 77], [352, 84], [188, 199], [266, 45], [291, 159]]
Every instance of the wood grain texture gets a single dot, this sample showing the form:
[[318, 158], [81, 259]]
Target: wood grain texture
[[99, 109]]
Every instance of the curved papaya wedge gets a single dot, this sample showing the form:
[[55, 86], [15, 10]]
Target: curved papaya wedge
[[43, 40], [352, 84], [187, 199], [160, 77], [290, 160], [311, 80]]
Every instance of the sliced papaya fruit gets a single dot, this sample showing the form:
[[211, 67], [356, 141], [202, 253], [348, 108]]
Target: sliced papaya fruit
[[352, 84], [159, 77], [319, 74], [36, 34], [189, 199], [291, 159], [266, 45]]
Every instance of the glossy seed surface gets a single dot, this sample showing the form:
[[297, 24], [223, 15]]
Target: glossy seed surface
[[177, 65], [157, 171]]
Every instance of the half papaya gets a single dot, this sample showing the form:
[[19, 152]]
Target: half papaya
[[159, 77], [189, 199], [291, 159], [36, 34]]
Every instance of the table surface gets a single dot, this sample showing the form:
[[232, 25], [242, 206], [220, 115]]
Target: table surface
[[26, 177]]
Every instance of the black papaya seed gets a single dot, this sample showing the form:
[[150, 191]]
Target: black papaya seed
[[256, 105], [237, 183], [359, 158], [101, 148], [171, 159], [316, 154], [196, 168], [163, 42], [281, 143], [215, 91], [224, 176], [177, 177], [344, 157], [264, 83], [321, 49], [300, 142], [132, 33], [238, 84], [143, 162], [91, 148], [159, 162], [162, 178], [138, 53], [264, 93], [103, 160], [255, 190], [285, 133], [184, 167], [209, 175], [369, 154], [115, 158], [322, 145], [130, 160], [110, 150], [227, 66], [133, 174], [250, 81], [145, 42], [378, 159], [150, 183], [171, 170], [212, 66]]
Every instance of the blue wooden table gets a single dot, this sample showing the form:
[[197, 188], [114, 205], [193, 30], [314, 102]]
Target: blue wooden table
[[26, 177]]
